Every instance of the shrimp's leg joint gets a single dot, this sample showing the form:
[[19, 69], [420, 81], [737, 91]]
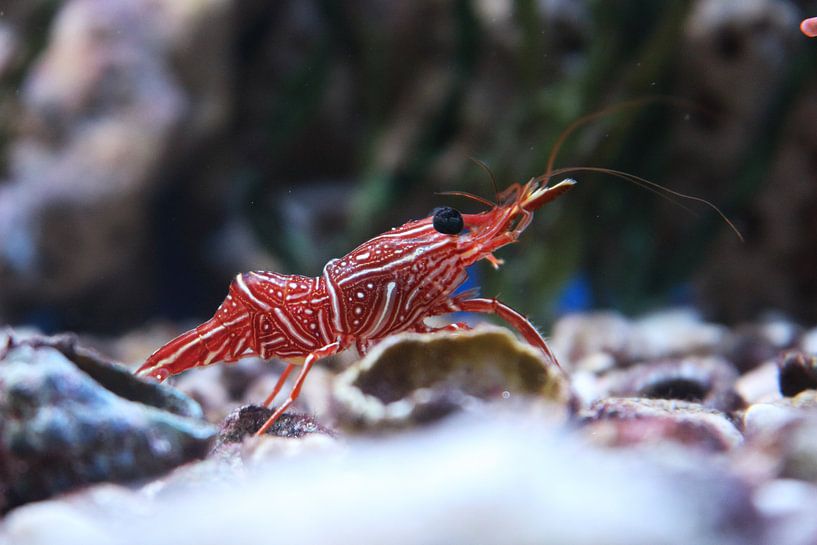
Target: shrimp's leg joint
[[310, 360]]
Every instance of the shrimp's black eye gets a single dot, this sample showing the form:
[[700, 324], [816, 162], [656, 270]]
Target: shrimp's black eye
[[447, 220]]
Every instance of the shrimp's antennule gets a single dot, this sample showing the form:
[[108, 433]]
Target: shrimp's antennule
[[490, 172], [471, 196]]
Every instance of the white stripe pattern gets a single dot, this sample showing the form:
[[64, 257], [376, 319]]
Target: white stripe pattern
[[394, 264], [333, 297], [246, 291], [426, 228], [326, 337], [387, 305], [289, 328]]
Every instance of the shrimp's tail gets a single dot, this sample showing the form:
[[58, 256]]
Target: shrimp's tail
[[209, 343]]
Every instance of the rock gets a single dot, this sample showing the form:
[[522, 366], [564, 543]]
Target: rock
[[798, 443], [489, 479], [805, 400], [769, 418], [64, 423], [583, 338], [708, 380], [759, 384], [754, 344], [789, 506], [273, 449], [675, 332], [245, 421], [762, 419], [633, 421], [798, 372], [411, 377], [808, 342], [580, 336], [786, 435]]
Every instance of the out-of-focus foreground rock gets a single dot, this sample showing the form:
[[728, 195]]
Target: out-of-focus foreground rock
[[69, 419], [657, 430]]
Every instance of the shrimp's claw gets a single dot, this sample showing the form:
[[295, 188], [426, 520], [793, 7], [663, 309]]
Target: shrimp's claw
[[495, 261]]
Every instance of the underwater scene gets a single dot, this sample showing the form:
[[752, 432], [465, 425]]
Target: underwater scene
[[441, 271]]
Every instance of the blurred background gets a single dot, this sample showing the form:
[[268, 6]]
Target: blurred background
[[151, 149]]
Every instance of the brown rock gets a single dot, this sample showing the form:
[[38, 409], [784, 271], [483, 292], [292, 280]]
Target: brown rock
[[707, 380], [798, 372], [633, 421], [420, 377]]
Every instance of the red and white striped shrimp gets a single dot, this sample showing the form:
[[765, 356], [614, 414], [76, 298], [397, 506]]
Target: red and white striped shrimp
[[389, 284]]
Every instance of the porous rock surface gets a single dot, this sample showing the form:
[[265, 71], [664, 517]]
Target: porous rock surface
[[65, 424]]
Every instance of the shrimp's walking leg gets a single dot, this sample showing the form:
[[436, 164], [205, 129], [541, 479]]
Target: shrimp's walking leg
[[519, 322], [310, 360], [278, 385]]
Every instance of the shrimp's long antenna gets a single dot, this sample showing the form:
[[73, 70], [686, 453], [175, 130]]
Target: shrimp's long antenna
[[584, 120], [637, 180], [653, 187]]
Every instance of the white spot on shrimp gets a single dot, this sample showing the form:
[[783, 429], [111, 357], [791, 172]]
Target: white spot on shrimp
[[358, 311], [293, 285], [370, 285], [308, 311], [360, 295], [364, 256], [312, 326]]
